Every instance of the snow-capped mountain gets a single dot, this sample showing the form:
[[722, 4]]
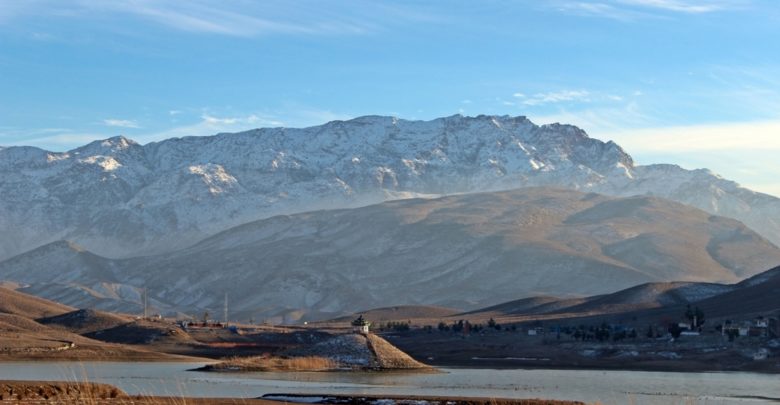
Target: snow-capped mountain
[[460, 251], [118, 198]]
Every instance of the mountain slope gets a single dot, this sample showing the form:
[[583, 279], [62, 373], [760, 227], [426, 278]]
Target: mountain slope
[[754, 296], [24, 305], [757, 295], [459, 251], [118, 198]]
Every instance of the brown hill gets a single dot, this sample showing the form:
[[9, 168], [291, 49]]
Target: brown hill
[[84, 321], [461, 251], [400, 313], [360, 351], [755, 296], [24, 338], [14, 302], [142, 331], [519, 307], [759, 295]]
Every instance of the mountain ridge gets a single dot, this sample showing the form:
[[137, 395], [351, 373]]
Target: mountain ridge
[[121, 199]]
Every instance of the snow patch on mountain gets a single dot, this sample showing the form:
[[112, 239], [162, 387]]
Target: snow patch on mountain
[[119, 198]]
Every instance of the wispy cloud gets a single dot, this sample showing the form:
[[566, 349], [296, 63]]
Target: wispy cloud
[[113, 122], [241, 18], [601, 121], [604, 10], [683, 6], [554, 97], [629, 10]]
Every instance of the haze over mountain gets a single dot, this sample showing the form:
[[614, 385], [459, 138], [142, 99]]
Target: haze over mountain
[[460, 251], [120, 199]]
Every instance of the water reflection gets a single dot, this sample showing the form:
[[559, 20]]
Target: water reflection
[[608, 387]]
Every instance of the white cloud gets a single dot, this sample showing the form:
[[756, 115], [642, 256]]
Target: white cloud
[[629, 10], [603, 10], [113, 122], [599, 121], [557, 97], [683, 6], [238, 18], [756, 136]]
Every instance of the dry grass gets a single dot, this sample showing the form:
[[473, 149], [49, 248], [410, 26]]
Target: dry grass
[[264, 363], [61, 391]]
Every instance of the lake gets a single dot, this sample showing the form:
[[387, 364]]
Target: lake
[[608, 387]]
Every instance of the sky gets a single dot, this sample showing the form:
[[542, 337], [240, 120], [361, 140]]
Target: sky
[[696, 83]]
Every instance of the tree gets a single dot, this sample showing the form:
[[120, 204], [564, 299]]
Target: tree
[[675, 330], [699, 317], [457, 326], [602, 333], [695, 316]]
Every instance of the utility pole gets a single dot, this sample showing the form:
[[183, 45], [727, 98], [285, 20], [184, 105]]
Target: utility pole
[[226, 310], [146, 304]]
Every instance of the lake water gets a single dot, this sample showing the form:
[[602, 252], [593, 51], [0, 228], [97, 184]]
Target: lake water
[[608, 387]]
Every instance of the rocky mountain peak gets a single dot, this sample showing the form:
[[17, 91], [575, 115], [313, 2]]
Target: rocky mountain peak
[[119, 198]]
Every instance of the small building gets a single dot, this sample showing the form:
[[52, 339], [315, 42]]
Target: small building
[[760, 322], [360, 325]]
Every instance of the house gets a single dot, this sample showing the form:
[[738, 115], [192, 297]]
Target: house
[[759, 327], [760, 322], [360, 325]]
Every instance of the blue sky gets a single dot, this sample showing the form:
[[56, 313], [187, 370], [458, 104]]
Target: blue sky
[[690, 82]]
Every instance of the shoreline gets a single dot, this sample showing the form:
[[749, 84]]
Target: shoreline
[[491, 364], [654, 368]]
